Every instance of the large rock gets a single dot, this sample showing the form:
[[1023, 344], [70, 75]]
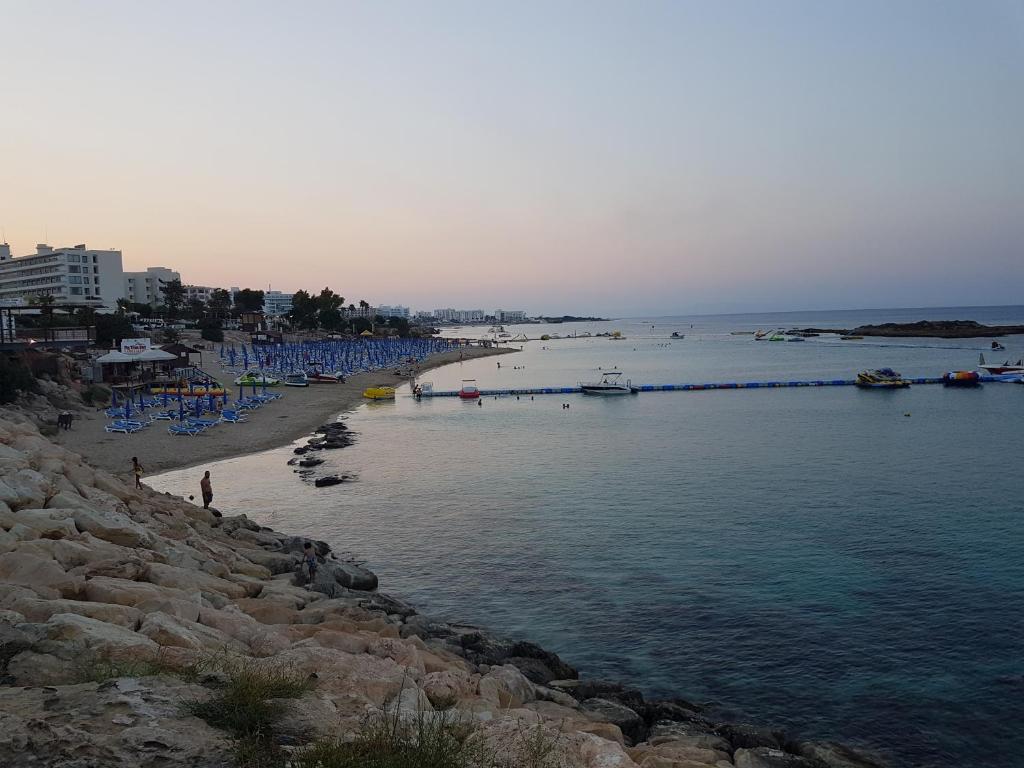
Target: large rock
[[768, 757], [347, 575], [41, 610], [629, 722], [192, 581], [745, 736], [122, 724], [103, 589], [167, 630], [51, 524], [113, 527], [506, 687], [45, 577], [73, 637], [832, 755]]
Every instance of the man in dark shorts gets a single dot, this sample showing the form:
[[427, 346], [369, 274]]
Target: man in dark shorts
[[207, 489], [309, 561]]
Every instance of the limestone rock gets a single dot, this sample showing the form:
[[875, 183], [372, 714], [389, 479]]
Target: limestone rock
[[167, 630], [445, 688], [51, 524], [506, 687], [631, 724], [832, 755], [192, 581], [112, 527], [70, 636], [103, 589], [37, 610], [768, 757], [43, 576]]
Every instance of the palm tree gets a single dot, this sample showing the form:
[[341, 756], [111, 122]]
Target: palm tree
[[45, 302]]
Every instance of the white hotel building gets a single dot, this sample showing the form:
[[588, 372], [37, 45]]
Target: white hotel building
[[72, 275], [144, 287]]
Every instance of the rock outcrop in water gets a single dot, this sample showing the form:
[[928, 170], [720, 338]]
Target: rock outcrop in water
[[122, 611], [939, 329]]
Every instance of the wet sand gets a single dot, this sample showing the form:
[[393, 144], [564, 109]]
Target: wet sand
[[295, 415]]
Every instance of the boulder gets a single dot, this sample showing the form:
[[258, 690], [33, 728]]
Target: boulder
[[51, 524], [167, 630], [43, 576], [769, 757], [745, 736], [447, 687], [192, 581], [103, 589], [187, 610], [72, 637], [113, 527], [688, 733], [347, 575], [607, 711], [506, 687], [41, 610], [831, 755]]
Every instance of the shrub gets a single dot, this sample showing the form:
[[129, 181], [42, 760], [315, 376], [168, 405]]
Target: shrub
[[244, 705], [15, 378], [96, 394], [211, 330]]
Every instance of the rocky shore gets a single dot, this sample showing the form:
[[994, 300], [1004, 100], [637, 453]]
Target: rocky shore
[[936, 329], [126, 615]]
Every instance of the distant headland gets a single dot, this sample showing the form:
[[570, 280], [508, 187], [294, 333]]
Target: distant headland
[[940, 329]]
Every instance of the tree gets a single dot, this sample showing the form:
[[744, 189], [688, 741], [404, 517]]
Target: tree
[[123, 306], [174, 297], [15, 378], [248, 300], [210, 329], [195, 309], [145, 310], [110, 329], [304, 310], [219, 302], [45, 302], [364, 304]]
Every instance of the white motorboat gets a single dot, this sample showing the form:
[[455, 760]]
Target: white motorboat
[[998, 370], [296, 380], [609, 384]]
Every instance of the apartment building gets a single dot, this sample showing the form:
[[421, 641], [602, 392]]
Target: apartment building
[[144, 287], [276, 303], [72, 275]]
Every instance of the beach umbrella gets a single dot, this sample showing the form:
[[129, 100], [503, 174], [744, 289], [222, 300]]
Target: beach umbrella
[[210, 400], [199, 407], [127, 407], [164, 397], [181, 407], [241, 392]]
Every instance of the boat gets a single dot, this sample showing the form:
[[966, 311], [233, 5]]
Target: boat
[[999, 370], [423, 388], [762, 335], [250, 378], [678, 335], [997, 347], [851, 338], [316, 373], [961, 379], [609, 384], [296, 380], [795, 338], [469, 390], [379, 393], [742, 333], [776, 337], [505, 335], [881, 378]]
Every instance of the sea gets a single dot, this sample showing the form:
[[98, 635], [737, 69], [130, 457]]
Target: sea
[[842, 563]]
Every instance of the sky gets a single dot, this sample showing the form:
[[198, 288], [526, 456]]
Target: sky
[[612, 158]]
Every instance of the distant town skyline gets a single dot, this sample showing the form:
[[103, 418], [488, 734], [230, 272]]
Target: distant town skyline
[[598, 158]]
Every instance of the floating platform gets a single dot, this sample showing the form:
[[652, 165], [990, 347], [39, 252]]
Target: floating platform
[[688, 387]]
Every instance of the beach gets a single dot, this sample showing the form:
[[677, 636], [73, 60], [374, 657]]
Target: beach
[[298, 413]]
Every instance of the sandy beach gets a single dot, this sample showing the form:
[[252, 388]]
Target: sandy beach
[[293, 416]]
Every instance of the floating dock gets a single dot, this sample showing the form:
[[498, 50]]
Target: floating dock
[[687, 387]]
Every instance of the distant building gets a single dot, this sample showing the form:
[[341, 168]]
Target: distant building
[[198, 292], [387, 310], [72, 275], [450, 315], [276, 303], [368, 312], [509, 316], [144, 287]]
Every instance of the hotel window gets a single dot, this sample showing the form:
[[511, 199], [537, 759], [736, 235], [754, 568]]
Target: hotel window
[[76, 291], [75, 280], [74, 258], [74, 269]]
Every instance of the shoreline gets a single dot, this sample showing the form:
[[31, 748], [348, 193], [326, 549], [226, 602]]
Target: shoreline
[[285, 421]]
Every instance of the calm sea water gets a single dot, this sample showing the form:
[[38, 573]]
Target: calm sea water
[[844, 563]]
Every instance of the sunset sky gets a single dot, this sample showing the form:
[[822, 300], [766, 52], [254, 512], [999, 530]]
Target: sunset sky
[[584, 157]]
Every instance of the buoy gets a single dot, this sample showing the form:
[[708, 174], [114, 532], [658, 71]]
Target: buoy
[[906, 414]]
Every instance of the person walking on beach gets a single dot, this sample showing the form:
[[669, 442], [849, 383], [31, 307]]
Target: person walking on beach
[[137, 470], [207, 489], [309, 560]]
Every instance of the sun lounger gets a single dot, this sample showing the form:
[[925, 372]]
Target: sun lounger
[[184, 429], [232, 417], [126, 427]]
